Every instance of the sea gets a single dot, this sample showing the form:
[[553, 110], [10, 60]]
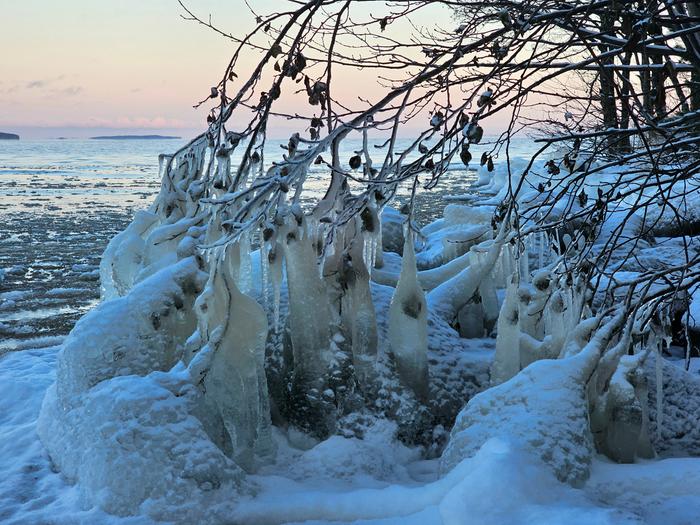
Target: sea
[[61, 201]]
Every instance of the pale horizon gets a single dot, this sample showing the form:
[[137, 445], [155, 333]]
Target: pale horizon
[[79, 68]]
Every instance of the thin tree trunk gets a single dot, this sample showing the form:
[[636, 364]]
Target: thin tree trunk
[[694, 11], [607, 78]]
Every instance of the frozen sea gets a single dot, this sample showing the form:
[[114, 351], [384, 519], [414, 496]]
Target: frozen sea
[[62, 200], [60, 203]]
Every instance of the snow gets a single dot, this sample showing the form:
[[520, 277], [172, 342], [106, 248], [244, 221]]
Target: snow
[[680, 432], [358, 487]]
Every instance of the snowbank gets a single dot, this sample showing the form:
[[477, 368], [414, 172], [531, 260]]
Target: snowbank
[[542, 408]]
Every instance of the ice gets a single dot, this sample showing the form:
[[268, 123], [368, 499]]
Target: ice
[[123, 258], [358, 313], [154, 319], [274, 267], [658, 493], [236, 401], [408, 324], [309, 324], [145, 392], [111, 405], [392, 230], [678, 435], [542, 408], [161, 244], [506, 362], [622, 414], [449, 297]]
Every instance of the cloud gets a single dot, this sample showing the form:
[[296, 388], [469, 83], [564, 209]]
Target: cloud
[[42, 84], [36, 84], [69, 91]]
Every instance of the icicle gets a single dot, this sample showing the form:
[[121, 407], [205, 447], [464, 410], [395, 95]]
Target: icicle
[[223, 172], [497, 272], [235, 388], [370, 232], [487, 288], [245, 276], [408, 324], [556, 326], [524, 265], [275, 263], [527, 321], [506, 363], [309, 329], [471, 319], [265, 273], [659, 386], [541, 282], [214, 230], [379, 248], [358, 314]]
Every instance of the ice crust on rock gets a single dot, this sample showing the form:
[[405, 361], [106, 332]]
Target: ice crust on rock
[[543, 408], [133, 446], [135, 334], [122, 408], [679, 433]]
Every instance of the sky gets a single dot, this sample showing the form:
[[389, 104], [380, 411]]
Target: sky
[[71, 67], [77, 68]]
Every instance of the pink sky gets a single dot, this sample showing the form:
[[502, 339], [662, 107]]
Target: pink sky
[[80, 67]]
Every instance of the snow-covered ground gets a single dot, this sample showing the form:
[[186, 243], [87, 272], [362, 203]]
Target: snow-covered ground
[[376, 480]]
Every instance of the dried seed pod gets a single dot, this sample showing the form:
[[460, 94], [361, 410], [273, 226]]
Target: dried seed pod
[[552, 168], [437, 119], [368, 223], [474, 133], [485, 98], [465, 154], [355, 162], [275, 50]]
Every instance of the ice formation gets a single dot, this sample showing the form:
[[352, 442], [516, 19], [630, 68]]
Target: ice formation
[[241, 332], [233, 328], [506, 362], [543, 408], [122, 408], [408, 324]]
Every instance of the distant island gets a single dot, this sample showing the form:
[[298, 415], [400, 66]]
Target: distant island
[[8, 136], [134, 137]]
